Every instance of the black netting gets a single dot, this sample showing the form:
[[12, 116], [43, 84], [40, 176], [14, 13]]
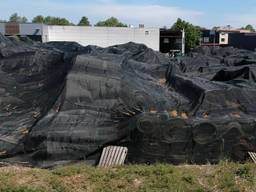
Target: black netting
[[62, 102]]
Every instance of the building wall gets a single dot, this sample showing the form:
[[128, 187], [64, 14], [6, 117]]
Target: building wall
[[23, 29], [45, 33], [2, 28], [31, 29], [103, 36]]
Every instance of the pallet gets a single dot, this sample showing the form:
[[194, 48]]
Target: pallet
[[253, 156], [112, 156]]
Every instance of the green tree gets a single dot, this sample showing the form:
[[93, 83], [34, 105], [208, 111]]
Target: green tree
[[111, 22], [17, 19], [249, 27], [49, 20], [56, 21], [84, 22], [38, 19], [192, 33]]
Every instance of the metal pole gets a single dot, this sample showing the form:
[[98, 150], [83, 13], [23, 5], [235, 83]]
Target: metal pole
[[183, 42], [214, 39]]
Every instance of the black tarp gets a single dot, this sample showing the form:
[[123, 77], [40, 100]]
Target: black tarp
[[63, 102]]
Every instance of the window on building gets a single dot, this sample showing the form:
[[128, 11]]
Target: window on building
[[178, 41], [166, 40], [206, 40], [223, 40]]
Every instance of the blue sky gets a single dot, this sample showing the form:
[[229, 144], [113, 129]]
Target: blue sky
[[152, 13]]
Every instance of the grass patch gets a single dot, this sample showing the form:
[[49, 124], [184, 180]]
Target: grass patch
[[226, 176]]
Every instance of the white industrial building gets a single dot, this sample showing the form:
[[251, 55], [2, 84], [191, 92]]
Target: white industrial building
[[100, 36], [158, 39]]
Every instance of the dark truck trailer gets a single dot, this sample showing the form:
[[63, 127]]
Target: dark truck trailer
[[243, 40], [170, 41]]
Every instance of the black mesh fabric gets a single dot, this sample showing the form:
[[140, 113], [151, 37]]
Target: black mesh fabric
[[62, 102]]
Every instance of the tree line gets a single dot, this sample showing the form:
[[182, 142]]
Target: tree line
[[50, 20]]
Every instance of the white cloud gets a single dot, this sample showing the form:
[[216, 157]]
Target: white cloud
[[151, 15]]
